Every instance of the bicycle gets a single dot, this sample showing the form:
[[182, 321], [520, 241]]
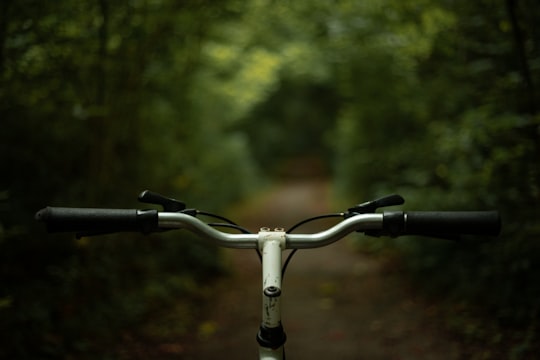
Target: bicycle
[[270, 243]]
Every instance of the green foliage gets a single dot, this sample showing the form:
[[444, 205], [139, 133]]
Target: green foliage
[[448, 119], [436, 100], [266, 80], [95, 106], [78, 296]]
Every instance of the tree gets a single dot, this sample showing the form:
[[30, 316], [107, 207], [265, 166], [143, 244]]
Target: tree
[[94, 110], [459, 133]]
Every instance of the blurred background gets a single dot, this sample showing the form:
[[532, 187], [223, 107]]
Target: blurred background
[[212, 101]]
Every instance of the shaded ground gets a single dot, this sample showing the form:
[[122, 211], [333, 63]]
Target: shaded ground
[[336, 303]]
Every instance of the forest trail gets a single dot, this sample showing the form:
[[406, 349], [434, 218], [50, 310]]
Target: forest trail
[[337, 303]]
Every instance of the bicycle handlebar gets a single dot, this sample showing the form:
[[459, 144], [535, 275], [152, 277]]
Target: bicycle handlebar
[[89, 221], [362, 218]]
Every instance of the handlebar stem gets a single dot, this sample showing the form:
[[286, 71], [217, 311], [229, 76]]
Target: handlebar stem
[[271, 244], [271, 335]]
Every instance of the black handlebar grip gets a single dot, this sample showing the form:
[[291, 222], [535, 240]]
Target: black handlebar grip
[[98, 221], [440, 223]]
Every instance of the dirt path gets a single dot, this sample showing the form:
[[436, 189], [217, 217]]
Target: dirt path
[[337, 304]]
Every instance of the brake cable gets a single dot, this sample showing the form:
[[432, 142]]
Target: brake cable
[[228, 224], [366, 207], [319, 217]]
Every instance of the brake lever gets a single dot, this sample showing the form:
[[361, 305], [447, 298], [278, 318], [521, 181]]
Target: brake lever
[[369, 207], [168, 204]]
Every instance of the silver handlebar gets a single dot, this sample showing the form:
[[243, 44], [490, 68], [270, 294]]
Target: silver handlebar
[[363, 222]]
